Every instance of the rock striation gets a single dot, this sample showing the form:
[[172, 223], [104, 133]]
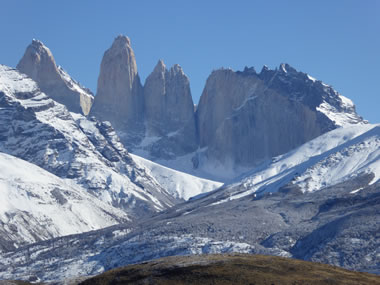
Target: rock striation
[[39, 64], [169, 112], [119, 97]]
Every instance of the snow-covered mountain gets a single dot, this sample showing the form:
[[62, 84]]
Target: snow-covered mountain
[[271, 210], [37, 205], [42, 131], [308, 166]]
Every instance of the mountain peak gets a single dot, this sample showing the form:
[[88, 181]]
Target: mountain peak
[[37, 56], [176, 69], [39, 64], [285, 68], [118, 97], [37, 43], [160, 67], [121, 41]]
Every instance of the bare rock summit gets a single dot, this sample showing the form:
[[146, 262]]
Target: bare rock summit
[[39, 64], [169, 112], [119, 97]]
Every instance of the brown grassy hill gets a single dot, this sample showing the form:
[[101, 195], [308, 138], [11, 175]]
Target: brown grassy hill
[[231, 269]]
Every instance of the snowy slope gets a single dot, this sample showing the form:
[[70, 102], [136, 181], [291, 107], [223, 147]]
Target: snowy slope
[[42, 131], [37, 205], [332, 158], [179, 184], [338, 228]]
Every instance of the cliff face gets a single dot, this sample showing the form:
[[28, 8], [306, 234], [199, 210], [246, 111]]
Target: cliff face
[[169, 112], [245, 117], [119, 97], [242, 118], [158, 119], [39, 64]]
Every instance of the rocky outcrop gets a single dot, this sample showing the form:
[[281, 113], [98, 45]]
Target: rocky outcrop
[[39, 64], [245, 117], [169, 112], [119, 97]]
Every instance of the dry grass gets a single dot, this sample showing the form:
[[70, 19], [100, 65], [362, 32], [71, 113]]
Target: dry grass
[[232, 269]]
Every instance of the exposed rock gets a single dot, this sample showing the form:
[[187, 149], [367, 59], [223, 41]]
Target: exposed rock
[[169, 111], [245, 118], [39, 64], [315, 94], [119, 97]]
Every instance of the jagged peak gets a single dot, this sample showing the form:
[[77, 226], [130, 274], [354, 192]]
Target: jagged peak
[[37, 51], [283, 67], [121, 41], [222, 70], [160, 67], [36, 42], [176, 68], [39, 47], [286, 68], [248, 71], [265, 68]]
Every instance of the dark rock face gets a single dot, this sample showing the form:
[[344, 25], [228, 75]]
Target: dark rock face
[[39, 64], [244, 117], [169, 111], [119, 98]]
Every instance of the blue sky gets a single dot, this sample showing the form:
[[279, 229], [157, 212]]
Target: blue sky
[[336, 41]]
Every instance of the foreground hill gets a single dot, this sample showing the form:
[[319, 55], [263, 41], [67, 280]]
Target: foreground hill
[[231, 269]]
